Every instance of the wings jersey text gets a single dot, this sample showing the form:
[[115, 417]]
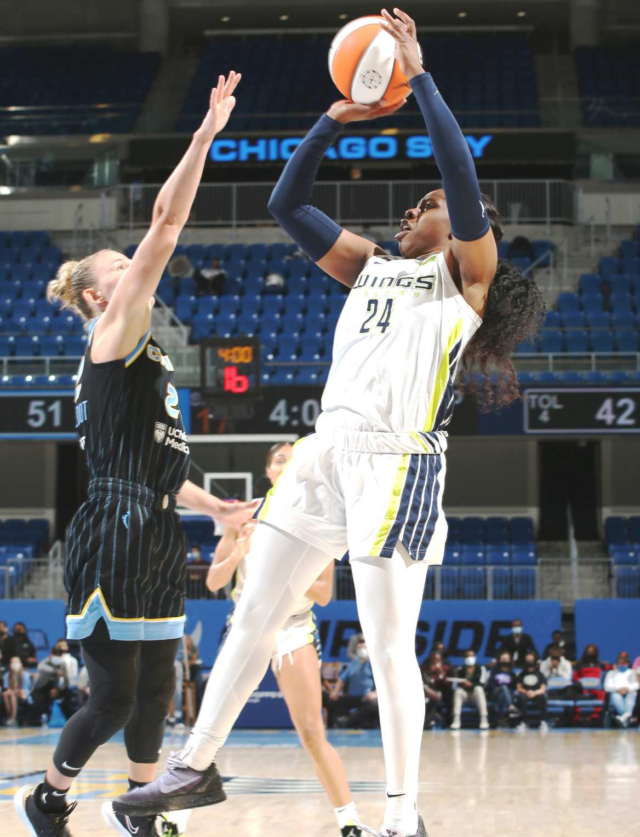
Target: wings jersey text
[[128, 419], [397, 345]]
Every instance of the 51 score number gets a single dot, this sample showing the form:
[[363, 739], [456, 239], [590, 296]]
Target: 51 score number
[[294, 415]]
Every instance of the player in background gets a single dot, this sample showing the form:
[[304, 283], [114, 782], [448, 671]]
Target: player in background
[[296, 655], [125, 567], [371, 477]]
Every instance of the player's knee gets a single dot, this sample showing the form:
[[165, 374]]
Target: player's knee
[[111, 717], [312, 735], [155, 697]]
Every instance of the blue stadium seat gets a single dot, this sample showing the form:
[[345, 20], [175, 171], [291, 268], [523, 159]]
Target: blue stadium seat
[[623, 320], [67, 380], [284, 376], [627, 582], [568, 302], [621, 302], [312, 348], [628, 248], [272, 306], [528, 347], [472, 556], [552, 319], [21, 273], [185, 306], [620, 284], [288, 347], [599, 319], [623, 555], [607, 266], [595, 377], [279, 250], [74, 346], [27, 346], [627, 341], [187, 286], [51, 346], [206, 325], [449, 583], [7, 345], [298, 268], [501, 583], [498, 557], [592, 302], [574, 319], [473, 583], [523, 582], [577, 341], [590, 283], [552, 342], [523, 557], [602, 341]]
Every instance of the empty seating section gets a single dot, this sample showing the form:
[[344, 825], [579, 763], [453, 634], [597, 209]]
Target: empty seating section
[[494, 556], [73, 90], [29, 325], [20, 542], [487, 80], [609, 79], [622, 536], [602, 317]]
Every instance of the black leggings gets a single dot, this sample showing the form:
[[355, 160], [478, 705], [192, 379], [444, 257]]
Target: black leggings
[[131, 686]]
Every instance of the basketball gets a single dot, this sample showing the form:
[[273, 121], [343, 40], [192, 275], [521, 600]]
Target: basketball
[[363, 65]]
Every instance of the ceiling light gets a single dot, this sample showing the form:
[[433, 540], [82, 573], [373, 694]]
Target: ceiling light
[[342, 17], [225, 19], [522, 14], [284, 17], [462, 14]]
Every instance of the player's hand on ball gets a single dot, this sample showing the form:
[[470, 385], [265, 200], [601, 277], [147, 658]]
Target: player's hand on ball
[[402, 29], [221, 103], [345, 110]]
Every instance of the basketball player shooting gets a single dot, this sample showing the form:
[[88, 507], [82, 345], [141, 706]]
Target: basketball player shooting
[[371, 477]]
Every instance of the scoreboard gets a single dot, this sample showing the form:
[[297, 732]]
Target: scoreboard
[[37, 414], [596, 411]]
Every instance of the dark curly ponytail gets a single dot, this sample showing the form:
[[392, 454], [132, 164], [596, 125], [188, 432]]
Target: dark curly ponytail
[[514, 313]]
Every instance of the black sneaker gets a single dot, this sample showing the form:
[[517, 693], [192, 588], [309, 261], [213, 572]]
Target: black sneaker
[[37, 822], [179, 788], [140, 826], [351, 831]]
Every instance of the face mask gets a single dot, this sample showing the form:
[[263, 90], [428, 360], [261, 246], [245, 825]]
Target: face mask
[[623, 668], [530, 664], [363, 654], [56, 661], [516, 631], [470, 661], [15, 666], [18, 632], [505, 664], [555, 660]]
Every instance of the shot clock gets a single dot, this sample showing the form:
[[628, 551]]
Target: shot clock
[[230, 368]]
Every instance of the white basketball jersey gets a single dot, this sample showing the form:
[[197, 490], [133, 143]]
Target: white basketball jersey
[[397, 345]]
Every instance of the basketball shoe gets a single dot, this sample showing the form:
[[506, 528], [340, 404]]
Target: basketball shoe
[[395, 832], [179, 788], [37, 822], [140, 826]]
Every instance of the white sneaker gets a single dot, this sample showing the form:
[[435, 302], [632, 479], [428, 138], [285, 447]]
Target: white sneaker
[[544, 727], [455, 724], [522, 727], [484, 723], [625, 718]]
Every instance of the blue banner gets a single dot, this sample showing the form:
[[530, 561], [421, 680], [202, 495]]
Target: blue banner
[[611, 624]]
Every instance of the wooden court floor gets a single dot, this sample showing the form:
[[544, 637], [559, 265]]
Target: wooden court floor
[[574, 783]]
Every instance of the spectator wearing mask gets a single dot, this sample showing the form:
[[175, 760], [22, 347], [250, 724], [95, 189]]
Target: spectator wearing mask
[[501, 688], [519, 644], [69, 662], [355, 689], [621, 684], [557, 641], [589, 667], [197, 569], [590, 662], [437, 688], [16, 687], [440, 648], [21, 646], [532, 689], [470, 688], [51, 684], [555, 665], [210, 280], [5, 644]]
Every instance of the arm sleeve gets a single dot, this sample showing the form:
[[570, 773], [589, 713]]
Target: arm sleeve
[[467, 213], [311, 229]]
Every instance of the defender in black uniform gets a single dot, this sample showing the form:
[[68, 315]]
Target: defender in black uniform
[[126, 555]]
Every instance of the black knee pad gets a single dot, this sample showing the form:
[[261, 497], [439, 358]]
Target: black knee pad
[[105, 722]]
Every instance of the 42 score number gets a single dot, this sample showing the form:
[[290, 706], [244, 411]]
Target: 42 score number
[[295, 415]]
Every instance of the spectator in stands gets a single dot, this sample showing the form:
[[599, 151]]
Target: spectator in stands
[[590, 659], [557, 641], [591, 667], [519, 644], [621, 684], [470, 688], [636, 663], [440, 648], [69, 662], [210, 280], [51, 684], [521, 248], [501, 688], [16, 688], [352, 647], [555, 665], [532, 689], [197, 569], [5, 643], [355, 689], [274, 283], [21, 646], [437, 688]]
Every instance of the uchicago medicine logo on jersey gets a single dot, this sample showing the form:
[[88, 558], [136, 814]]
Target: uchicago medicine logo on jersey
[[172, 436]]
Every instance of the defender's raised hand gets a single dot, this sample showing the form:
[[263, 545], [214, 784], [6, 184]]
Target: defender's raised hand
[[221, 103]]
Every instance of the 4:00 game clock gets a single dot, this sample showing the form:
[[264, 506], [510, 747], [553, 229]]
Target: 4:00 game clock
[[230, 368]]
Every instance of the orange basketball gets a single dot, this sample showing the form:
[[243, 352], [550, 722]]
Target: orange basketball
[[363, 65]]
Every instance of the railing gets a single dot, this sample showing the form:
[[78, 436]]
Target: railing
[[366, 202], [32, 578]]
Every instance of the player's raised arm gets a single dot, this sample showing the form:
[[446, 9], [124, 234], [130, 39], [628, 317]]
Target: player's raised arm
[[128, 310], [473, 248], [339, 253]]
